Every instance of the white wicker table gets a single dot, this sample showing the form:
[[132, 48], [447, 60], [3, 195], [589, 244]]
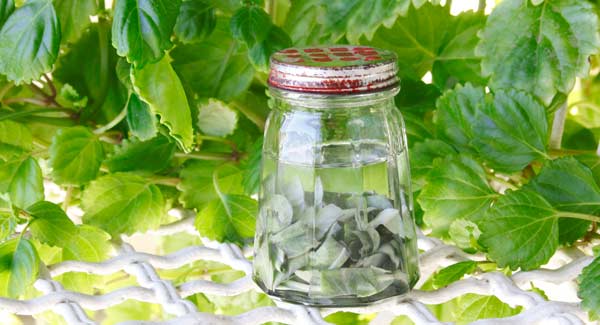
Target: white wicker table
[[153, 289]]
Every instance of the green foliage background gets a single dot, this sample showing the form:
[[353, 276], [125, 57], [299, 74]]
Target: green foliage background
[[149, 105]]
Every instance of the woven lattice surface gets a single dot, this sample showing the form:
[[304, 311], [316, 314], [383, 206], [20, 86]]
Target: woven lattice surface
[[153, 289]]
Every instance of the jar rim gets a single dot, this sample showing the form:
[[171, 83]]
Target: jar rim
[[332, 101]]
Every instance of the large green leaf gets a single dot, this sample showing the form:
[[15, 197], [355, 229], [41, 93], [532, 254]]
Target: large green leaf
[[217, 67], [455, 115], [8, 221], [539, 48], [50, 224], [589, 284], [15, 139], [303, 22], [472, 307], [230, 218], [29, 41], [251, 168], [216, 118], [142, 29], [415, 38], [322, 21], [90, 244], [260, 53], [158, 85], [429, 38], [453, 273], [250, 24], [569, 186], [6, 9], [19, 265], [197, 182], [141, 120], [416, 96], [74, 17], [153, 155], [89, 66], [196, 20], [456, 61], [75, 156], [520, 230], [456, 188], [123, 203], [25, 181], [511, 132], [422, 155]]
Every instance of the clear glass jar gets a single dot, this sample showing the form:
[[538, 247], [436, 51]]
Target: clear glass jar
[[335, 224]]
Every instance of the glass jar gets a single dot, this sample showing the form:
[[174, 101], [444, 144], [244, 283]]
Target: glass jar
[[335, 225]]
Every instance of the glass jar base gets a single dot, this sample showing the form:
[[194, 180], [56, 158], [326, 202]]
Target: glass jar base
[[397, 290]]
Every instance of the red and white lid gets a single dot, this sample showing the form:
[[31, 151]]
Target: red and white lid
[[337, 69]]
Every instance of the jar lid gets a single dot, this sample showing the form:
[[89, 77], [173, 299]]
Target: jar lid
[[337, 69]]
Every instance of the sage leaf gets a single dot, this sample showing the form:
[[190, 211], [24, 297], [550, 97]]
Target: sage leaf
[[361, 282], [330, 255]]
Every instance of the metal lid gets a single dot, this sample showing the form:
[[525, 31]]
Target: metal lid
[[337, 69]]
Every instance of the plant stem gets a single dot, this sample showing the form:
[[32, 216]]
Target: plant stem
[[67, 199], [558, 127], [112, 123], [565, 152], [217, 156], [481, 6], [58, 121], [34, 111], [34, 101], [580, 216], [168, 181], [230, 143], [5, 89], [50, 85]]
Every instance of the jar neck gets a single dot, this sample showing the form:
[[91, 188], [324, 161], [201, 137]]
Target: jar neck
[[290, 100]]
